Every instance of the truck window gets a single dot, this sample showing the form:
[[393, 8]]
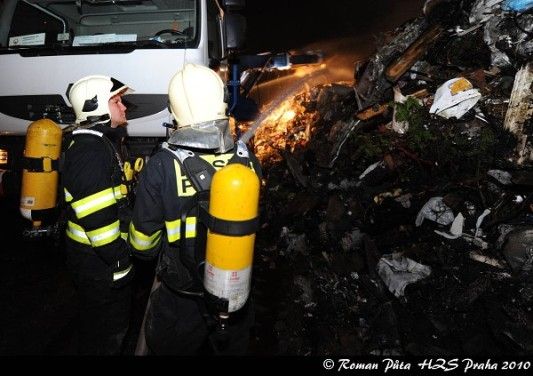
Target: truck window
[[28, 20], [72, 24]]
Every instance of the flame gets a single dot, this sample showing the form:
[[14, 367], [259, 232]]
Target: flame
[[286, 128], [288, 116]]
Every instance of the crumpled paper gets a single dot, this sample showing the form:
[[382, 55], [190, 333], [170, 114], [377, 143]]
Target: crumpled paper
[[436, 210], [456, 229], [397, 271]]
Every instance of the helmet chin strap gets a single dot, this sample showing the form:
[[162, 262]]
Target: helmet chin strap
[[93, 120]]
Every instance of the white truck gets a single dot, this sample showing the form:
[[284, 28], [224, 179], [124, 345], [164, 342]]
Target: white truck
[[47, 44]]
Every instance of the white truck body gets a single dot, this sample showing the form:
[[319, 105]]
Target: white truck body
[[131, 71]]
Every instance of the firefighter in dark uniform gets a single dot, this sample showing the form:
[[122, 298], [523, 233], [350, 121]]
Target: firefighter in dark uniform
[[97, 214], [165, 221]]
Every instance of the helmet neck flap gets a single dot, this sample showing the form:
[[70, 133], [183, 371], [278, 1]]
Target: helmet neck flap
[[212, 135]]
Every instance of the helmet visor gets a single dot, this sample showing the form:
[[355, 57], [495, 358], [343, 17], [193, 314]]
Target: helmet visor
[[119, 88]]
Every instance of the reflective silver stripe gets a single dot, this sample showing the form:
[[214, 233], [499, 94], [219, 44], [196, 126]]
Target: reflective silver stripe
[[142, 242], [118, 275], [105, 234], [88, 131], [115, 191], [118, 193], [174, 229], [77, 233], [190, 227], [96, 204]]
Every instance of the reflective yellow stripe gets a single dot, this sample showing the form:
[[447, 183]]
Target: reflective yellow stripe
[[104, 235], [142, 242], [95, 238], [68, 196], [118, 275], [173, 229], [94, 202], [118, 192], [190, 227], [77, 233]]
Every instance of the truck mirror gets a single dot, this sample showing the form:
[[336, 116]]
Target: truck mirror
[[235, 25], [232, 5]]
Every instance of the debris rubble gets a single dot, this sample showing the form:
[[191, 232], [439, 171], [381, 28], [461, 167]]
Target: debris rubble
[[401, 224]]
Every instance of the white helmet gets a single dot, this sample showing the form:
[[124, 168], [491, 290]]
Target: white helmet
[[454, 98], [90, 95], [196, 95]]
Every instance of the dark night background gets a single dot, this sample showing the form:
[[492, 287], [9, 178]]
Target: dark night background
[[286, 24]]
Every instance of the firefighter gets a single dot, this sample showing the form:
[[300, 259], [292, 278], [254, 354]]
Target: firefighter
[[165, 222], [97, 214]]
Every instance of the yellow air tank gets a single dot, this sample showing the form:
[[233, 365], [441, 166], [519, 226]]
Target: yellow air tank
[[234, 197], [38, 196]]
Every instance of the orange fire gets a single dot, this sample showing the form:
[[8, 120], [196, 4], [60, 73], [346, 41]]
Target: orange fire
[[288, 127]]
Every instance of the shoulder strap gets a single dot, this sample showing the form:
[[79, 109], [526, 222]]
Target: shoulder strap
[[241, 155], [199, 171]]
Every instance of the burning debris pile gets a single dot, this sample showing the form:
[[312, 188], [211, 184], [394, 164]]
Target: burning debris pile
[[397, 214], [286, 128]]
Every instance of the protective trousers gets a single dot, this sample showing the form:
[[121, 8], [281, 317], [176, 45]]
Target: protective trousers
[[104, 305], [175, 325], [104, 317]]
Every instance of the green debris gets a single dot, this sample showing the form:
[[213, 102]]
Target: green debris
[[418, 136], [409, 111]]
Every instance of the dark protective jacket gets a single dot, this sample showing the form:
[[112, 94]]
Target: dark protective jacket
[[96, 205], [165, 217]]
